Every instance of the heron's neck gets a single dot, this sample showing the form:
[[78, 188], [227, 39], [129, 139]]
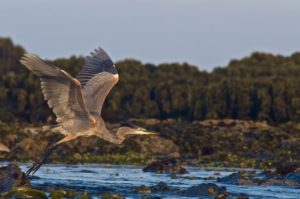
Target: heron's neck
[[121, 133]]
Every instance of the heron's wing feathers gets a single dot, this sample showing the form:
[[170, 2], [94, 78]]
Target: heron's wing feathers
[[96, 63], [60, 89], [98, 76], [96, 90]]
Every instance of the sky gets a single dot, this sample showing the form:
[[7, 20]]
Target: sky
[[205, 33]]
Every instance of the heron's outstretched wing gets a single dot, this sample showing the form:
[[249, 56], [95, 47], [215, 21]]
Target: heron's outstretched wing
[[4, 148], [60, 89], [98, 76]]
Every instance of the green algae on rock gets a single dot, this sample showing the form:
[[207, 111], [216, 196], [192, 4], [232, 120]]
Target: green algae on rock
[[112, 196], [68, 194], [24, 193]]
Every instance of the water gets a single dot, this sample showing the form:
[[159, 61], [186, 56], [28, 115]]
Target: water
[[98, 179]]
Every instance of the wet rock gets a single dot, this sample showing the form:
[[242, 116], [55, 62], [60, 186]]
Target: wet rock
[[240, 178], [24, 193], [149, 197], [217, 173], [33, 177], [293, 177], [286, 167], [142, 189], [242, 196], [266, 178], [208, 189], [166, 165], [290, 179], [210, 178], [162, 187], [87, 171], [11, 177]]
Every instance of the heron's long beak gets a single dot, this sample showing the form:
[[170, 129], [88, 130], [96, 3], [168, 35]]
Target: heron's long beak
[[144, 132]]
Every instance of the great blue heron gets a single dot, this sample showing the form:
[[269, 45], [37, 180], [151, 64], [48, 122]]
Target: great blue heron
[[77, 102], [4, 148]]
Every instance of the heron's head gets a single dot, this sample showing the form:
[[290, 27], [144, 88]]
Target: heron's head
[[123, 132]]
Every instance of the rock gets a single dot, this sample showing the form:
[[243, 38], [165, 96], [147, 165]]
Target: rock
[[286, 167], [86, 171], [166, 165], [208, 189], [265, 178], [157, 145], [242, 196], [289, 179], [142, 189], [29, 147], [162, 187], [293, 177], [232, 123], [11, 177], [169, 121], [148, 122], [217, 173], [207, 150], [240, 178]]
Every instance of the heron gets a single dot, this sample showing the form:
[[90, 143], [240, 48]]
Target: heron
[[77, 102], [4, 148]]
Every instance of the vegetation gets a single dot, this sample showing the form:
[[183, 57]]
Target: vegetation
[[259, 87]]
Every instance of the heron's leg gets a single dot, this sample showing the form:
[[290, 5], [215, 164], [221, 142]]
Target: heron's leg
[[68, 138], [48, 152], [39, 163]]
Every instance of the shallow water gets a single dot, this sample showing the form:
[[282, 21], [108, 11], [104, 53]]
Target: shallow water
[[98, 179]]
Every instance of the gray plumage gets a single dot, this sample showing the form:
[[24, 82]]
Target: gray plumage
[[77, 102]]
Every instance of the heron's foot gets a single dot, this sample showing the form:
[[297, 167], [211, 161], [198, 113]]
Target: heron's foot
[[34, 168], [39, 163]]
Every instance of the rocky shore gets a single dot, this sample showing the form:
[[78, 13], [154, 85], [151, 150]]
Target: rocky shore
[[211, 143]]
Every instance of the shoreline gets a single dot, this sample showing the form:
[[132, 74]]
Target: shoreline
[[208, 143]]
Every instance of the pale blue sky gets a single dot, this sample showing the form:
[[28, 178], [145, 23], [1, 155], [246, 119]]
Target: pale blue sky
[[206, 33]]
